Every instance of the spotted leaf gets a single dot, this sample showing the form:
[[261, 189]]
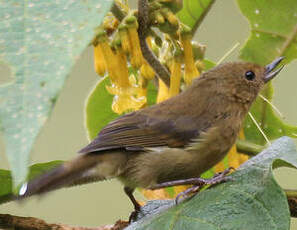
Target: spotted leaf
[[39, 41]]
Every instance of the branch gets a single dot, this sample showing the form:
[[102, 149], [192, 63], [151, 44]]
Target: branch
[[28, 223], [205, 12], [149, 56], [117, 12]]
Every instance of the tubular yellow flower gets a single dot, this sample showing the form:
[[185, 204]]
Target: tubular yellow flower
[[190, 68], [124, 35], [175, 76], [136, 54], [109, 57], [163, 92], [122, 74], [147, 71], [142, 91], [126, 92], [99, 61]]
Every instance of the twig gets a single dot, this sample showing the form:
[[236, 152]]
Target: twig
[[149, 56], [30, 223], [117, 12], [199, 21]]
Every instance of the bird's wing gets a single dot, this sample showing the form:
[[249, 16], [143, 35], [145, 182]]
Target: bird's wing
[[136, 131]]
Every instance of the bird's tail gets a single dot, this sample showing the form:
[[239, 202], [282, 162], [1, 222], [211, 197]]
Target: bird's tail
[[64, 175]]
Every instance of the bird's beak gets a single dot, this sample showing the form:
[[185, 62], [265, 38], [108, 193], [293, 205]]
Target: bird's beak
[[269, 73]]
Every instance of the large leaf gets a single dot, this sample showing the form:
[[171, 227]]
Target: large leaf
[[251, 200], [6, 193], [40, 41], [193, 12], [273, 33]]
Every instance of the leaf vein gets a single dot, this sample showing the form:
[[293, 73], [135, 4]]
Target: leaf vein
[[265, 210]]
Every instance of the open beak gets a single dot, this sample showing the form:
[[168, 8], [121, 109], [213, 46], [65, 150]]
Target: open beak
[[269, 73]]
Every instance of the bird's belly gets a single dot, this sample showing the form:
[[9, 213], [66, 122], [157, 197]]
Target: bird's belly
[[168, 164]]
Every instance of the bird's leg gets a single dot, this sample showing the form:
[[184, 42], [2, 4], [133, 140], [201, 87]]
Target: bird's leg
[[196, 182], [129, 192]]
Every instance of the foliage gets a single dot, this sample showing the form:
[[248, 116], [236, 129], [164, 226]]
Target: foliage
[[275, 33], [40, 42], [42, 54], [251, 199]]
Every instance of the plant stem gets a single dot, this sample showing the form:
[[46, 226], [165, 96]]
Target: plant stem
[[248, 148], [149, 56], [117, 12]]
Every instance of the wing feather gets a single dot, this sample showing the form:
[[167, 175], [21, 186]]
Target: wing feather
[[137, 131]]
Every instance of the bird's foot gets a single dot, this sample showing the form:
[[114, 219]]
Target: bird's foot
[[188, 193], [197, 183]]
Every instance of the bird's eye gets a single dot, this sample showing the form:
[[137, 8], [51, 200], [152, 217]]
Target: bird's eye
[[250, 75]]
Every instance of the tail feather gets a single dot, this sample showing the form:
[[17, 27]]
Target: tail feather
[[60, 176]]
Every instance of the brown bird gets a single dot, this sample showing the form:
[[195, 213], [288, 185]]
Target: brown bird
[[177, 139]]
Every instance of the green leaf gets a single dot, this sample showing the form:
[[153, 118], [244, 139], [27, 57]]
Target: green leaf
[[273, 34], [208, 64], [6, 193], [193, 12], [40, 41], [98, 107], [252, 199]]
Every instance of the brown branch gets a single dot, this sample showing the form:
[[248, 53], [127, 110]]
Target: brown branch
[[149, 56], [30, 223]]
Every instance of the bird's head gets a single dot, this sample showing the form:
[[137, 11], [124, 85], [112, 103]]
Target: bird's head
[[242, 81]]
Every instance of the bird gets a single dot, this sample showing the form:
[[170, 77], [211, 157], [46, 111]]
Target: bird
[[175, 140]]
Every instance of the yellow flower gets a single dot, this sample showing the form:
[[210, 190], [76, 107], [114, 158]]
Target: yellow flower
[[125, 102], [175, 76], [127, 93], [136, 57], [122, 72], [109, 57], [125, 40], [99, 61], [163, 92], [190, 68]]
